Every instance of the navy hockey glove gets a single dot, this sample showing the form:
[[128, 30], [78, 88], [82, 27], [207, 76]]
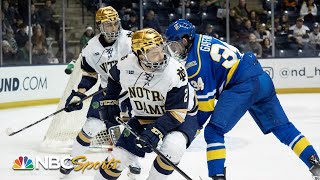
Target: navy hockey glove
[[71, 103], [108, 110], [150, 137]]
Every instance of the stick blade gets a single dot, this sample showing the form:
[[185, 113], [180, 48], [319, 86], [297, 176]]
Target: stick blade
[[9, 131]]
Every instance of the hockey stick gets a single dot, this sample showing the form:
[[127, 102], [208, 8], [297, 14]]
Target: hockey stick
[[175, 167], [10, 132]]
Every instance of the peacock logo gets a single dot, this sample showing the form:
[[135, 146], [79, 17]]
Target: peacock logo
[[23, 163]]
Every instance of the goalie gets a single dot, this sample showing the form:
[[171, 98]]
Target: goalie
[[102, 52]]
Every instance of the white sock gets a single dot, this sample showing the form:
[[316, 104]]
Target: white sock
[[78, 149]]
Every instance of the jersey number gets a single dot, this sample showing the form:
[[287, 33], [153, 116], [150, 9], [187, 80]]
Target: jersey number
[[227, 53], [186, 95], [197, 85]]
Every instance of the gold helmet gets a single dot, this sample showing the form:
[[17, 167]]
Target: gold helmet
[[108, 15], [144, 40]]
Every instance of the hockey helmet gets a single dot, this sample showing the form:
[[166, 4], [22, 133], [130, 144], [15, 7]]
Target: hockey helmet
[[108, 17], [180, 28], [145, 40], [174, 34]]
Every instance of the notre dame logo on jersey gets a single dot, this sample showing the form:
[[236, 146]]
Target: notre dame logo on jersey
[[182, 74]]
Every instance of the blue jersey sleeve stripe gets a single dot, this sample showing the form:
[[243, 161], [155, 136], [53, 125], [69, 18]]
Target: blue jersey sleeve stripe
[[199, 58]]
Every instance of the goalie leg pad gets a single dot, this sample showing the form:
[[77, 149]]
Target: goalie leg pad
[[174, 146]]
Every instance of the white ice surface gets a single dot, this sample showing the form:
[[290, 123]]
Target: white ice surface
[[250, 154]]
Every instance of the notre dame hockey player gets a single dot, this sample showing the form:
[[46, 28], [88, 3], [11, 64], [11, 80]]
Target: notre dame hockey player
[[163, 106]]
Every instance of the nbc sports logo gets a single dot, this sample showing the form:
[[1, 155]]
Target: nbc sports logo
[[23, 163]]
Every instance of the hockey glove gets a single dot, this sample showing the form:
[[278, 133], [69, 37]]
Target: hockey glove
[[71, 103], [150, 137], [108, 110]]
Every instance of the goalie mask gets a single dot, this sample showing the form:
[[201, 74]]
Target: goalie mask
[[109, 23], [149, 43]]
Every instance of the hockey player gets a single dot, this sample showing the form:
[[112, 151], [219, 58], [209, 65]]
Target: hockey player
[[102, 52], [219, 71], [163, 106]]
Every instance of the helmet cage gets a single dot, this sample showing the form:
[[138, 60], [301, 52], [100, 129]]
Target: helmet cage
[[155, 66], [112, 36]]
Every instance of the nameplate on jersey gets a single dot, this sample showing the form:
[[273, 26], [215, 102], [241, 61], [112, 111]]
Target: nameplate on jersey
[[205, 43]]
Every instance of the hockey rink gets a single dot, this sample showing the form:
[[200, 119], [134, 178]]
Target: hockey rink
[[250, 154]]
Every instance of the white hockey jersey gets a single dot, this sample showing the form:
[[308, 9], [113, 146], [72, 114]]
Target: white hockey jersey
[[101, 58], [153, 93]]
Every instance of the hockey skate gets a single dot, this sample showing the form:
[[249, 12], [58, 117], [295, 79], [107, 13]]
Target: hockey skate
[[315, 169], [65, 171], [134, 170]]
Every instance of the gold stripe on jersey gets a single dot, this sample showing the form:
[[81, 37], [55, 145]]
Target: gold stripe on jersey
[[90, 74], [231, 71], [163, 165], [216, 154], [300, 146], [206, 106], [84, 137], [199, 59], [144, 121], [178, 114]]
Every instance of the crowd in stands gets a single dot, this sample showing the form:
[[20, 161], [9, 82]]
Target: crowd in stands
[[296, 25], [15, 32]]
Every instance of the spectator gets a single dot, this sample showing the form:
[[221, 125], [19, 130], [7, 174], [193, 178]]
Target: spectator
[[209, 30], [298, 31], [246, 29], [151, 21], [285, 25], [87, 35], [5, 24], [10, 38], [241, 10], [314, 36], [7, 53], [254, 45], [22, 56], [35, 19], [46, 13], [10, 13], [309, 12], [262, 33], [39, 49], [254, 18], [234, 22], [266, 48], [132, 24], [308, 7], [290, 5], [298, 36], [23, 10], [21, 36]]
